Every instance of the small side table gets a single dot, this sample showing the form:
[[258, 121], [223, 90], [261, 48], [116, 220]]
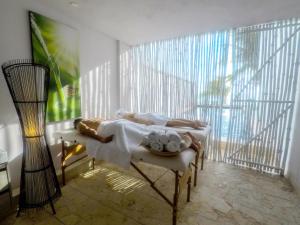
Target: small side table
[[3, 168]]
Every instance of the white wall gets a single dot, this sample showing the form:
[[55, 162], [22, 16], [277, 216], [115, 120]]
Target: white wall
[[293, 163], [95, 50]]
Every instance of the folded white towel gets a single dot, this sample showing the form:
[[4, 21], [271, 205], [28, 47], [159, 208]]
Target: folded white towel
[[157, 146], [173, 146], [174, 136]]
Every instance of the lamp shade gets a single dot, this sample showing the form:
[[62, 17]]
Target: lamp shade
[[28, 84]]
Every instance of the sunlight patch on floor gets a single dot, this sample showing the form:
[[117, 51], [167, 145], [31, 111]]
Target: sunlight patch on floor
[[90, 173], [117, 181]]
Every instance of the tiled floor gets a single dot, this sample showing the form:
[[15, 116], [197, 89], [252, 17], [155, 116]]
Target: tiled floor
[[224, 195]]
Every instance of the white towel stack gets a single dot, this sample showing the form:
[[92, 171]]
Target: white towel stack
[[162, 140]]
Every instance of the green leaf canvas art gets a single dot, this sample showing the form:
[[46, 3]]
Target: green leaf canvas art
[[57, 45]]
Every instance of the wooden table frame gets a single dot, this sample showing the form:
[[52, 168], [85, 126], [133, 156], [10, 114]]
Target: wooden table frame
[[174, 203], [63, 163], [178, 176]]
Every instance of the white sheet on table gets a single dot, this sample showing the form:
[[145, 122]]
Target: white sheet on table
[[127, 138]]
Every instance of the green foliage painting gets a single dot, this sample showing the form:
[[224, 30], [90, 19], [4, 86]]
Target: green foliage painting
[[57, 46]]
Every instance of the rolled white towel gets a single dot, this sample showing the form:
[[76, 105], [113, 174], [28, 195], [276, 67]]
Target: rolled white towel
[[174, 136], [146, 141], [157, 146], [151, 141], [163, 138], [153, 136], [173, 146]]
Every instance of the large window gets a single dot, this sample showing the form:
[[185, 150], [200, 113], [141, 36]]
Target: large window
[[242, 81]]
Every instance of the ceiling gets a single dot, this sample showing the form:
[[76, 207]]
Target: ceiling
[[139, 21]]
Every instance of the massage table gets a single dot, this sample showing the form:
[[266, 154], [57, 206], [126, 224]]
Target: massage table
[[180, 165]]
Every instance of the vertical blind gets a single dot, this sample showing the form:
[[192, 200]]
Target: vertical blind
[[176, 78], [265, 71], [241, 81]]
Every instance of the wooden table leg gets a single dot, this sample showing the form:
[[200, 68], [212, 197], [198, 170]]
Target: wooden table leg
[[93, 163], [196, 169], [62, 163], [202, 160], [189, 190], [176, 196]]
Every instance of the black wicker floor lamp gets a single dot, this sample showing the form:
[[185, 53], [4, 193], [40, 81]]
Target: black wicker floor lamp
[[28, 84]]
